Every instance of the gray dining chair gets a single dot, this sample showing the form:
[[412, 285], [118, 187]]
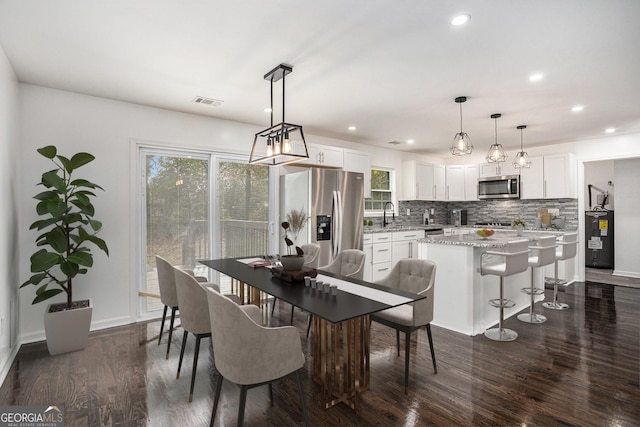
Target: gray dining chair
[[250, 355], [416, 276], [168, 295], [348, 263], [194, 316]]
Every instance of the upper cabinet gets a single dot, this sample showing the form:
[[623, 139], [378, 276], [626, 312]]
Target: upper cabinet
[[423, 181], [492, 169], [550, 177], [471, 182], [359, 161], [324, 155], [462, 182]]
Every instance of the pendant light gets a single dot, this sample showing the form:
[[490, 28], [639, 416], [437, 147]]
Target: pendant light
[[496, 153], [461, 144], [522, 158], [283, 143]]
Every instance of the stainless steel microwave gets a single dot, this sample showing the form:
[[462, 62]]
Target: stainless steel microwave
[[499, 187]]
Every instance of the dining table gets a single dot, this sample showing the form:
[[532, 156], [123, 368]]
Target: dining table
[[341, 321]]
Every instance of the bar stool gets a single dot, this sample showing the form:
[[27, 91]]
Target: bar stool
[[543, 254], [515, 261], [567, 249]]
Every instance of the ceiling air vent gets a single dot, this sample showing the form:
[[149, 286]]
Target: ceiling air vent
[[207, 101]]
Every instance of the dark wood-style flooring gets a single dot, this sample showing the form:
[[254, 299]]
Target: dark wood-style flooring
[[581, 368]]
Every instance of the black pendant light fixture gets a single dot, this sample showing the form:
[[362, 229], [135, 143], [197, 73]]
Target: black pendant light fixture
[[283, 143], [522, 158], [496, 153], [461, 144]]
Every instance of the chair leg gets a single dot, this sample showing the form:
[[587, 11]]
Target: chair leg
[[273, 307], [407, 347], [433, 353], [215, 401], [305, 415], [243, 400], [398, 342], [173, 318], [184, 344], [164, 316], [555, 305], [291, 320], [309, 324], [271, 393], [196, 352]]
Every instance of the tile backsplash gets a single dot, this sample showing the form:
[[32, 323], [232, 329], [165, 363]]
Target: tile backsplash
[[485, 211]]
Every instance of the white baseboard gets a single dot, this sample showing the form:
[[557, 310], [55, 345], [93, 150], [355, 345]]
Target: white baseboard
[[7, 361], [626, 274], [95, 326]]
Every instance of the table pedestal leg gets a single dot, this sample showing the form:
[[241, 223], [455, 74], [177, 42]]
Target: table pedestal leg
[[341, 359]]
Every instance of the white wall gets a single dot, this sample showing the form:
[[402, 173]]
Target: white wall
[[627, 218], [8, 214]]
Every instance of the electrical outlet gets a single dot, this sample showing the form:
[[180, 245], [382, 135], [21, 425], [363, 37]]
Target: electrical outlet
[[555, 212], [408, 212]]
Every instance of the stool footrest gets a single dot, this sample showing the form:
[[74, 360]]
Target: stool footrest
[[536, 291], [501, 303]]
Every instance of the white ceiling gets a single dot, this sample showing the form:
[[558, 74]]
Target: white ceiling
[[391, 68]]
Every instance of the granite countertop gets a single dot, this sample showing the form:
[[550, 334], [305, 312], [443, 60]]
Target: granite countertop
[[391, 228], [498, 240]]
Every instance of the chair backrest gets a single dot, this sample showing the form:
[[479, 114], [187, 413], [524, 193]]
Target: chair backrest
[[166, 282], [348, 263], [194, 310], [311, 255], [545, 252], [520, 262], [568, 247], [417, 276], [245, 352]]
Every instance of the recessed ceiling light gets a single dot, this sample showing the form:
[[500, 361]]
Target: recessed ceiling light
[[460, 20], [267, 110], [352, 128], [410, 141], [535, 77], [610, 130], [577, 108]]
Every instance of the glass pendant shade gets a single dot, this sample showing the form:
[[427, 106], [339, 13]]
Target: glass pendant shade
[[496, 153], [284, 142], [522, 158], [461, 144]]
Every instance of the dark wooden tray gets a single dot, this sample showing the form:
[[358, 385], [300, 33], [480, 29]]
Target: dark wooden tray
[[293, 276]]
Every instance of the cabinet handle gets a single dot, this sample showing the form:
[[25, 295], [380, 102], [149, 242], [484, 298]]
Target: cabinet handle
[[383, 250], [434, 191], [447, 193], [322, 154], [383, 238], [383, 269], [410, 249], [544, 190]]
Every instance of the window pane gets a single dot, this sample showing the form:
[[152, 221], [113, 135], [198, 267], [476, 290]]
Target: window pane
[[380, 180]]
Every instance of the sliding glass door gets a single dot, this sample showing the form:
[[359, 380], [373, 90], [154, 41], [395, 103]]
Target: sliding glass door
[[198, 206]]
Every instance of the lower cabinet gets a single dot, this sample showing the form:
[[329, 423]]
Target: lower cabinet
[[384, 250]]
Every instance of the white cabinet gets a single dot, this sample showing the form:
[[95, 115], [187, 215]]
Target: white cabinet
[[491, 169], [381, 256], [455, 183], [471, 182], [405, 245], [324, 155], [359, 161], [550, 177], [367, 248], [423, 181]]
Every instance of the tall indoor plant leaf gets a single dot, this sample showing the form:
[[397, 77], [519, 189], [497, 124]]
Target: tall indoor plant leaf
[[67, 225]]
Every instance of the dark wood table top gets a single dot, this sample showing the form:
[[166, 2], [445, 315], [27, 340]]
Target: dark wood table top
[[334, 309]]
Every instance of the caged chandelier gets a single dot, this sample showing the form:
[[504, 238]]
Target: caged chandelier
[[461, 143], [496, 153], [283, 143], [522, 158]]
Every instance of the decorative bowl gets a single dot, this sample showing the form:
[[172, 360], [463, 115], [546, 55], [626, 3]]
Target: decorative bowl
[[485, 232], [292, 262]]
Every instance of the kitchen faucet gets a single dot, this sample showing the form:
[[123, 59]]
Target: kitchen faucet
[[384, 214]]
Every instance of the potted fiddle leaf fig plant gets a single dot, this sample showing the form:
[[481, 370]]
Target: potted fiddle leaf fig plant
[[68, 232]]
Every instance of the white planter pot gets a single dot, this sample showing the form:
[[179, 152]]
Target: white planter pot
[[67, 330]]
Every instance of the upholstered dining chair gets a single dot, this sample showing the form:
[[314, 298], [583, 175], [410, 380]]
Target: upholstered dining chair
[[416, 276], [348, 263], [311, 260], [251, 355], [168, 295], [194, 316]]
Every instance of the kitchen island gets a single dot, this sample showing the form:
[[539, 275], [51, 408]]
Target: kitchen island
[[462, 294]]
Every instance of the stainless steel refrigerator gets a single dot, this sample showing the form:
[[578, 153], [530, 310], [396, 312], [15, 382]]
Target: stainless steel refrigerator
[[334, 203]]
